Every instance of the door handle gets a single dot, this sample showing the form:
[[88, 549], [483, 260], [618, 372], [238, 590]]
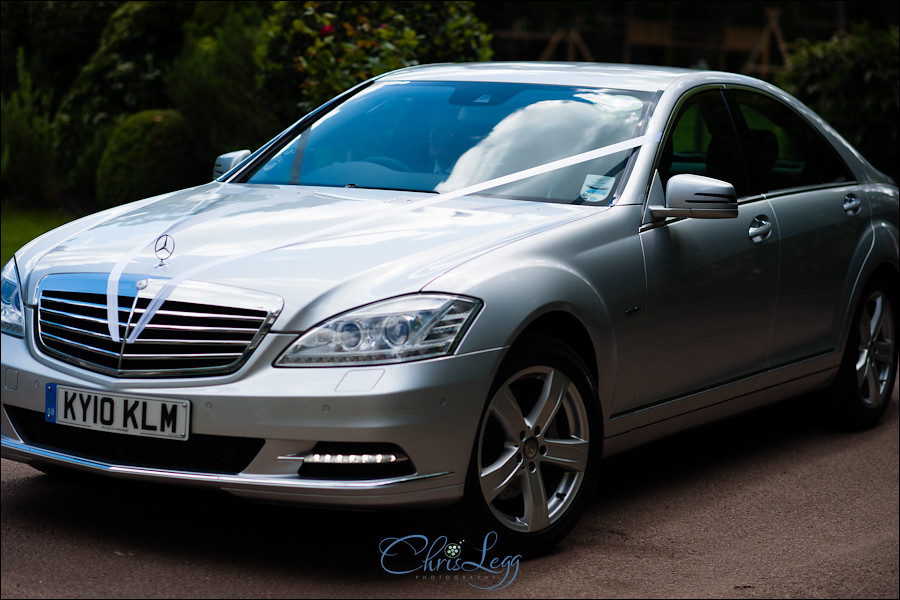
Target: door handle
[[760, 228], [851, 204]]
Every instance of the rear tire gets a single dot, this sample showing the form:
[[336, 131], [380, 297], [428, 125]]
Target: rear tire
[[862, 389]]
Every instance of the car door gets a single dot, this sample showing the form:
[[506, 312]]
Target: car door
[[822, 215], [711, 283]]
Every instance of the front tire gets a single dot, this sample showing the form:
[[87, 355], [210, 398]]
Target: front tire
[[537, 450]]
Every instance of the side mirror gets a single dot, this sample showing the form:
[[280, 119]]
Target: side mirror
[[699, 197], [228, 161]]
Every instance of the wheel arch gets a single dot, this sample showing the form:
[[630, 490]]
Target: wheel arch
[[568, 329], [598, 351], [565, 327], [880, 263], [887, 272]]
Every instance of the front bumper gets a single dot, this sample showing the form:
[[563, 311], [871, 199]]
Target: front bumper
[[429, 409]]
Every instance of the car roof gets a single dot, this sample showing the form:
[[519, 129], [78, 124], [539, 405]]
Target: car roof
[[646, 78], [601, 75]]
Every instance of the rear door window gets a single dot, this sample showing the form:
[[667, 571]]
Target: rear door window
[[784, 151]]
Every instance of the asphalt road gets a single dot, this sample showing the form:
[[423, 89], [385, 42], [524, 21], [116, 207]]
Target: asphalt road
[[771, 504]]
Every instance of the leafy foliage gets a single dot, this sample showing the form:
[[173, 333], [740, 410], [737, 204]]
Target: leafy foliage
[[853, 82], [27, 134], [58, 38], [449, 31], [148, 153], [213, 83], [312, 51]]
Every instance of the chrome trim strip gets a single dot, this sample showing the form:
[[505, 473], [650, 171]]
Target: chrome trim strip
[[82, 303], [210, 355], [298, 458], [73, 316], [84, 332], [186, 342], [248, 480], [809, 188], [93, 349], [206, 315], [198, 328]]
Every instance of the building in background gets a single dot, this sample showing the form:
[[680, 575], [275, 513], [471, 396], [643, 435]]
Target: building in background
[[745, 37]]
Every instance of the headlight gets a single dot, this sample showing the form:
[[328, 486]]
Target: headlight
[[13, 315], [396, 330]]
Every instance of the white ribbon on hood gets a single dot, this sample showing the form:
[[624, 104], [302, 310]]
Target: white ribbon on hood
[[171, 284]]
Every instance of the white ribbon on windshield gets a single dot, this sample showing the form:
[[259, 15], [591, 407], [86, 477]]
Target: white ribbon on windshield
[[171, 284]]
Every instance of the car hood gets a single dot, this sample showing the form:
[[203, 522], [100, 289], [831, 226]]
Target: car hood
[[322, 250]]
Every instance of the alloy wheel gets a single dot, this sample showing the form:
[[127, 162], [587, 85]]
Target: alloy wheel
[[874, 366], [533, 449]]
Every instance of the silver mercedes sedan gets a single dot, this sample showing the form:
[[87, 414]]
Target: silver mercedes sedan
[[460, 286]]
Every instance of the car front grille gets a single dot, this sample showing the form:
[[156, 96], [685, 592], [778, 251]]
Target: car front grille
[[199, 453], [201, 329]]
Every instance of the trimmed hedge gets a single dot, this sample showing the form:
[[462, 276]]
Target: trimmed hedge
[[149, 153]]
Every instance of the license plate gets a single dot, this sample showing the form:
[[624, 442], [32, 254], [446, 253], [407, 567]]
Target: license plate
[[131, 415]]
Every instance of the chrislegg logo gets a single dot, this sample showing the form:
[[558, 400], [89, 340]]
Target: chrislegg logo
[[443, 560]]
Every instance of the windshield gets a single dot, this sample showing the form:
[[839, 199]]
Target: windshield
[[444, 136]]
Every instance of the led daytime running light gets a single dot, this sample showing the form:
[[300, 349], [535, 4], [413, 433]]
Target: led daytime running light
[[350, 459]]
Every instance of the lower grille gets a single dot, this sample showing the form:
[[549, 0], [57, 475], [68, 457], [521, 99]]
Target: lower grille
[[199, 453]]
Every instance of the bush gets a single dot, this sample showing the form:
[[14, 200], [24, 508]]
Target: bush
[[149, 153], [27, 162], [852, 82], [312, 51], [124, 76]]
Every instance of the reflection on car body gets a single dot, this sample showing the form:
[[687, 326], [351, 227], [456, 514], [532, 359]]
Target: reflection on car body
[[459, 286]]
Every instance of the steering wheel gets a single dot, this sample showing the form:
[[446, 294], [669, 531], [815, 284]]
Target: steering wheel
[[390, 163]]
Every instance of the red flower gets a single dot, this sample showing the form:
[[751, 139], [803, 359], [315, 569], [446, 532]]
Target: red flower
[[326, 30]]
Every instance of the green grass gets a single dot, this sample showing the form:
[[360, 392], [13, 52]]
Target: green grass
[[18, 227]]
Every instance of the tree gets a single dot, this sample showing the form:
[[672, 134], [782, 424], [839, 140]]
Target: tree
[[852, 82], [213, 83], [124, 76], [312, 51]]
